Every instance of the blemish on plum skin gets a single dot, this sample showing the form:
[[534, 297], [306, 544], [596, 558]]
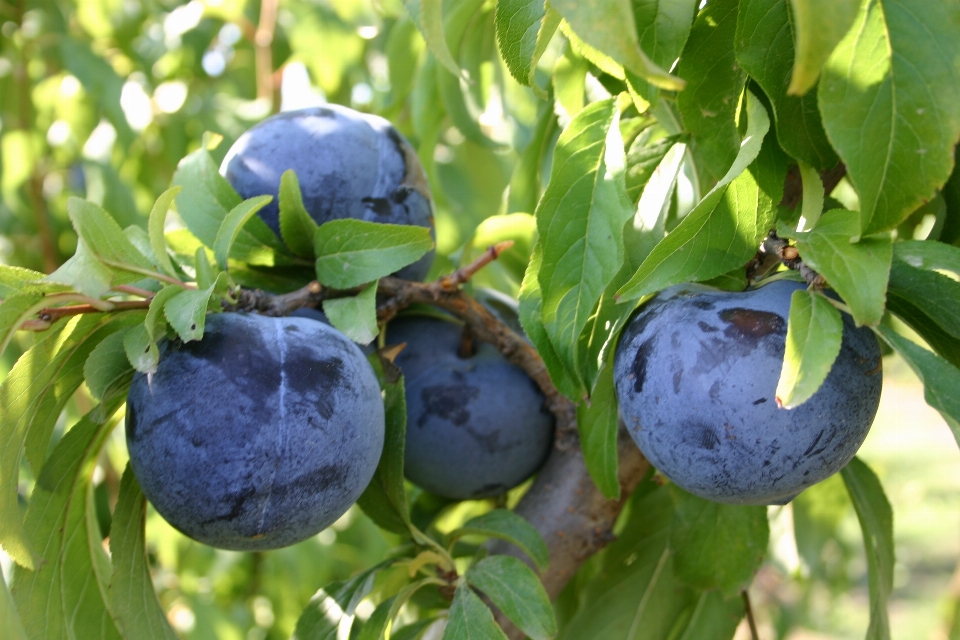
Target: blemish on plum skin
[[640, 365], [750, 324], [760, 401]]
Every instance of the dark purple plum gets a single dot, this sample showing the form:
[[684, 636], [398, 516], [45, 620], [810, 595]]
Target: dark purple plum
[[476, 426], [696, 374], [259, 435], [349, 164]]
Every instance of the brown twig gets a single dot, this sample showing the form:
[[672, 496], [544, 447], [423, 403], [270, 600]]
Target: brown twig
[[788, 255], [270, 304], [52, 314], [748, 610], [134, 291]]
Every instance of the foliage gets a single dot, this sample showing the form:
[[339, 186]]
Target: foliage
[[624, 146]]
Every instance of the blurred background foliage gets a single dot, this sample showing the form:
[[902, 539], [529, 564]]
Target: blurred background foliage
[[102, 98]]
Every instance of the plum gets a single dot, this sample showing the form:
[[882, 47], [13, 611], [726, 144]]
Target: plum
[[257, 436], [476, 426], [349, 164], [696, 372]]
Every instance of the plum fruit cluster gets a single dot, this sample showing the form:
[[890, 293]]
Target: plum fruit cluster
[[349, 164], [259, 435], [696, 373], [476, 424]]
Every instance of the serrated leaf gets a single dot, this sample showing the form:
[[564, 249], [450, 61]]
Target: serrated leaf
[[14, 280], [717, 545], [515, 589], [609, 27], [819, 25], [205, 200], [104, 237], [155, 321], [132, 598], [814, 335], [385, 500], [508, 526], [187, 311], [232, 224], [708, 107], [84, 273], [354, 252], [107, 368], [427, 15], [580, 218], [297, 228], [334, 606], [940, 378], [355, 316], [63, 597], [141, 350], [858, 271], [470, 619], [155, 224], [725, 228], [890, 96], [764, 48], [663, 29], [598, 427], [531, 318], [14, 311], [524, 27], [936, 295], [876, 521]]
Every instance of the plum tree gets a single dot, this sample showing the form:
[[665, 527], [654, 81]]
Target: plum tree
[[349, 164], [259, 435], [476, 425], [696, 372]]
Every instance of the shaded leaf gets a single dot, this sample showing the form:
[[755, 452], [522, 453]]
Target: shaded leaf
[[470, 619], [14, 280], [355, 316], [890, 96], [819, 25], [232, 224], [155, 226], [9, 620], [515, 589], [936, 295], [662, 28], [524, 27], [876, 521], [942, 342], [104, 237], [84, 273], [508, 526], [598, 427], [814, 334], [642, 160], [132, 597], [107, 369], [354, 252], [334, 606], [297, 228], [140, 349], [427, 15], [928, 254]]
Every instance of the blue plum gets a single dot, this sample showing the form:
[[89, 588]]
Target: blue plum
[[257, 436], [349, 164], [476, 426], [696, 372]]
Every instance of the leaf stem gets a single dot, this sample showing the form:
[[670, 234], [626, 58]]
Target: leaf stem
[[748, 609], [149, 273]]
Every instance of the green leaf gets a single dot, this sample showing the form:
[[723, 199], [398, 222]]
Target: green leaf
[[387, 611], [140, 349], [385, 500], [63, 598], [297, 228], [9, 619], [814, 334], [764, 47], [16, 310], [709, 105], [354, 252], [515, 589], [413, 630], [132, 598], [470, 619], [187, 311], [940, 378], [232, 224], [858, 271], [334, 606], [942, 342], [531, 318], [663, 29], [355, 316], [524, 190], [598, 426], [580, 218], [464, 116], [642, 160], [155, 321], [524, 28], [812, 196], [104, 236], [155, 225], [107, 369], [609, 26], [717, 545], [890, 97], [427, 15], [819, 26], [14, 280], [936, 295], [84, 273], [928, 254], [204, 201], [876, 521], [725, 228], [508, 526]]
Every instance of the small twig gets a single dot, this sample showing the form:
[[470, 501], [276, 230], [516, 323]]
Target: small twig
[[270, 304], [52, 314], [463, 274], [134, 291], [749, 612], [788, 255]]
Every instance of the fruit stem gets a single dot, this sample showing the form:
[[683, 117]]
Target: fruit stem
[[749, 613]]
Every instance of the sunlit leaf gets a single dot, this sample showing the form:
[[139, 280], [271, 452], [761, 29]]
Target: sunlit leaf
[[355, 316], [155, 228], [508, 526], [470, 619], [354, 252], [232, 224], [814, 335], [297, 228], [820, 25], [515, 589]]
